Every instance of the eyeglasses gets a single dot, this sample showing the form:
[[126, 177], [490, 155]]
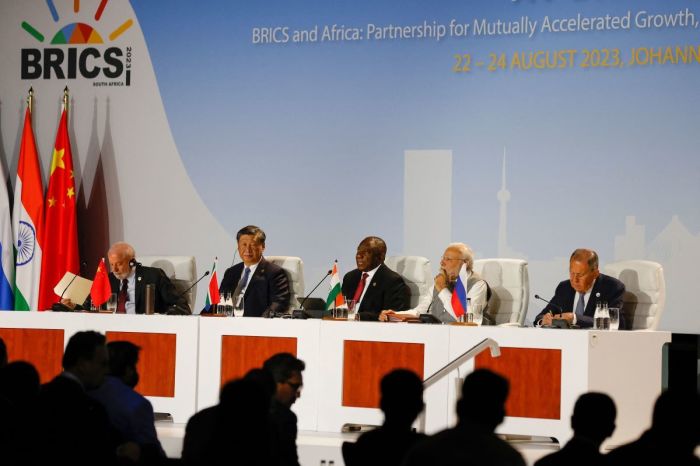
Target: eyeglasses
[[577, 275], [445, 258], [295, 386]]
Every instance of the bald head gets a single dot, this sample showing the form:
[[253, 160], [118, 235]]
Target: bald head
[[119, 256], [370, 253]]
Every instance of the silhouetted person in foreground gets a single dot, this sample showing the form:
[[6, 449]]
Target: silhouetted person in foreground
[[129, 412], [672, 438], [237, 430], [286, 371], [19, 394], [593, 421], [3, 353], [74, 428], [472, 441], [401, 402]]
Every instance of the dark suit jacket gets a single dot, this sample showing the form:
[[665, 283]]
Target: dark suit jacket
[[267, 291], [387, 290], [166, 295], [577, 452], [73, 428], [611, 291]]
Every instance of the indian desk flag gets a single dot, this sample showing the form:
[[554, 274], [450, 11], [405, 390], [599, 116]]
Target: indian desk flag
[[7, 255], [335, 295], [60, 238], [459, 293], [213, 290], [27, 224]]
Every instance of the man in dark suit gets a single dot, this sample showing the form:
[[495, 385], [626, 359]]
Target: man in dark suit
[[575, 299], [472, 441], [129, 278], [592, 422], [263, 285], [373, 285], [74, 428]]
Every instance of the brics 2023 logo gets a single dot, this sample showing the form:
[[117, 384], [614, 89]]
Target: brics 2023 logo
[[74, 52]]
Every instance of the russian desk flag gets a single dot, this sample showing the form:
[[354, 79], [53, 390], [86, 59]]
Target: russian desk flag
[[459, 293]]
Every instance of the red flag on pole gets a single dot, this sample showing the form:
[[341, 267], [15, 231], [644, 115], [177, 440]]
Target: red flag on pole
[[60, 246], [101, 289]]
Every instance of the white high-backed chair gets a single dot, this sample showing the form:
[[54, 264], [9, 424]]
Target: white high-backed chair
[[510, 288], [181, 270], [294, 268], [645, 292], [415, 271]]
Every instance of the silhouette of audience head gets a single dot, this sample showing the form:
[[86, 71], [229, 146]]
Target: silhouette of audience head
[[123, 357], [3, 353], [19, 383], [594, 417], [489, 392], [86, 358], [286, 372], [675, 418], [264, 380], [401, 397]]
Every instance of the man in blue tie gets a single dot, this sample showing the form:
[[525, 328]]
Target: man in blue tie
[[575, 299], [263, 286]]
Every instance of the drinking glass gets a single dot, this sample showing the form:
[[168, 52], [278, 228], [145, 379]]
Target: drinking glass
[[614, 313], [352, 309], [227, 303], [239, 306], [477, 311], [112, 303]]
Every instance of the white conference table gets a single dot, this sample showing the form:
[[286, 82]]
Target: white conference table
[[185, 360]]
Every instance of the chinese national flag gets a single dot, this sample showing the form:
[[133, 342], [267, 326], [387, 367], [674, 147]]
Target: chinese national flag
[[101, 289], [60, 246]]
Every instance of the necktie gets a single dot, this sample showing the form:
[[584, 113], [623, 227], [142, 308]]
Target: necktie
[[580, 306], [123, 297], [360, 288], [241, 284]]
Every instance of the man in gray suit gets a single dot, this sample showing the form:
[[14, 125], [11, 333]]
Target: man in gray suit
[[438, 302]]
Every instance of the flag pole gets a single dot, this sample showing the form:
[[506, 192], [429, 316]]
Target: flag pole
[[30, 99], [65, 98]]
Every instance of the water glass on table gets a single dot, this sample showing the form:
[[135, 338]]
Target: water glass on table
[[352, 309], [239, 306], [614, 313]]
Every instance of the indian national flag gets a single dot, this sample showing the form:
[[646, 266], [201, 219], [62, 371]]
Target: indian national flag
[[213, 290], [335, 295], [27, 222]]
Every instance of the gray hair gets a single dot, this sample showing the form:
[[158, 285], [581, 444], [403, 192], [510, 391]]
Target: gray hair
[[122, 249], [465, 253], [588, 256]]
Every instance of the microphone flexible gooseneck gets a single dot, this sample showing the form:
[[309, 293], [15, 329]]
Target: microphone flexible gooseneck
[[301, 305], [561, 311]]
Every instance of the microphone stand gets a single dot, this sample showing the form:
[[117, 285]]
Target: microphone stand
[[301, 313], [176, 309]]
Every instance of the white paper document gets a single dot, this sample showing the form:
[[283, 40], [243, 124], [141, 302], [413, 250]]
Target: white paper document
[[73, 287]]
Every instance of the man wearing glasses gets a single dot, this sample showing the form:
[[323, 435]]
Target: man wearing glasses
[[286, 372], [438, 301], [575, 299]]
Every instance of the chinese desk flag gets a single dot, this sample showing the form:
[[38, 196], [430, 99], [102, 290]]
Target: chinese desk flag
[[100, 290]]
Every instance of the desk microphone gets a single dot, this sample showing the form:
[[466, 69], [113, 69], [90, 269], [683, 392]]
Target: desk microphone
[[177, 309], [561, 311], [301, 313]]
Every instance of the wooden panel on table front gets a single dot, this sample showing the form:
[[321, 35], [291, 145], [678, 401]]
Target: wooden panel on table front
[[41, 347], [535, 380], [366, 362], [156, 361], [240, 353]]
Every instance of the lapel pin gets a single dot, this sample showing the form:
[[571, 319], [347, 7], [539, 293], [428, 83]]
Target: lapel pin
[[138, 278]]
